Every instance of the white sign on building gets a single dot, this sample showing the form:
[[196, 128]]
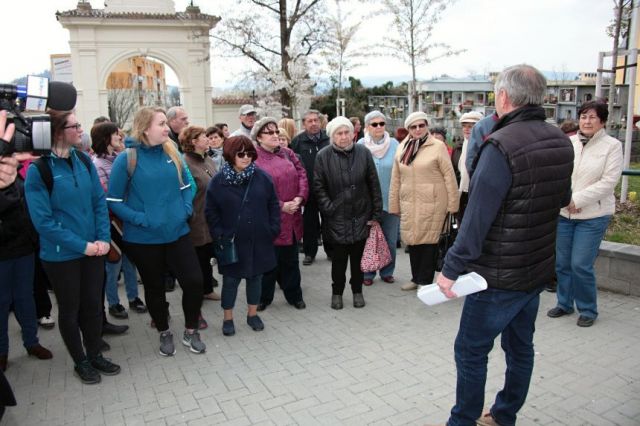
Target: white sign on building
[[61, 69]]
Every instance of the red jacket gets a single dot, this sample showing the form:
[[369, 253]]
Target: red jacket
[[290, 180]]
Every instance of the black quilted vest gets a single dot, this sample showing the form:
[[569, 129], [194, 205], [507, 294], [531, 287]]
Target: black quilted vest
[[519, 250]]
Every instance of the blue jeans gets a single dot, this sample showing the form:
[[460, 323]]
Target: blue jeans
[[577, 245], [486, 315], [390, 224], [230, 290], [130, 280], [16, 287]]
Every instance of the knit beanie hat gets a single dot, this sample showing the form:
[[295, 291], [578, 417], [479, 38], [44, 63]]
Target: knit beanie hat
[[261, 124], [336, 123], [415, 116], [471, 117]]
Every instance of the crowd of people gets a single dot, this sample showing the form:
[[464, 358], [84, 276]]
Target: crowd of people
[[172, 199]]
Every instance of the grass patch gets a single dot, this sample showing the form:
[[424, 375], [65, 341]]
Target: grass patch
[[625, 224]]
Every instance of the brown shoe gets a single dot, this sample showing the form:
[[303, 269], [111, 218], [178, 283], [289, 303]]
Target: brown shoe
[[486, 419], [40, 352], [3, 362]]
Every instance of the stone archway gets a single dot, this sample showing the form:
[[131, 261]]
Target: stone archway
[[100, 38]]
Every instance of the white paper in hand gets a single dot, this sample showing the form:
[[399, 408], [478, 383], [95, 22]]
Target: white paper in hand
[[465, 284]]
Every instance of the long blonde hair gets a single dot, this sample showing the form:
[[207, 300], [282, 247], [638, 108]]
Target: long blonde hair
[[142, 122], [290, 126]]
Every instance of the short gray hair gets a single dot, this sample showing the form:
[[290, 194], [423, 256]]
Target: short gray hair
[[308, 113], [173, 111], [524, 85]]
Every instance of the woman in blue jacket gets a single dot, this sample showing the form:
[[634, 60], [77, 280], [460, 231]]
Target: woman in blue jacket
[[255, 223], [149, 191], [68, 209]]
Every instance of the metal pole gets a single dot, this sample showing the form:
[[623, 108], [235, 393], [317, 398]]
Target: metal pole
[[632, 59], [599, 75]]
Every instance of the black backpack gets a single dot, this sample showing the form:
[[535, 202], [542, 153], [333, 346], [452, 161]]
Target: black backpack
[[45, 169]]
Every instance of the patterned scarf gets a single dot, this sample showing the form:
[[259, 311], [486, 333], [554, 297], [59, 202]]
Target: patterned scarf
[[378, 149], [234, 178], [411, 149]]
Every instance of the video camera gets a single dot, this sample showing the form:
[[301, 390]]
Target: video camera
[[33, 129]]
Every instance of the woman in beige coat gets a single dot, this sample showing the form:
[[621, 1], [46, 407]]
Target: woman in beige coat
[[423, 190]]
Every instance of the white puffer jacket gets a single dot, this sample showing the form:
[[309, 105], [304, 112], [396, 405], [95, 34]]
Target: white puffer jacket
[[597, 167]]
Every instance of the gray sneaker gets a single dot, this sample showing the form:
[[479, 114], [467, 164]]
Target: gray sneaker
[[167, 347], [192, 340]]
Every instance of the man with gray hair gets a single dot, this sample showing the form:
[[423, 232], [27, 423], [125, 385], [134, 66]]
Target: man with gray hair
[[306, 145], [520, 180], [247, 114], [177, 119]]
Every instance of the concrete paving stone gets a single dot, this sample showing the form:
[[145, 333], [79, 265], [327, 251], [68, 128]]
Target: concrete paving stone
[[162, 413], [352, 411], [238, 421], [184, 418], [216, 419], [318, 366], [255, 412], [327, 407], [187, 403], [231, 409], [209, 406]]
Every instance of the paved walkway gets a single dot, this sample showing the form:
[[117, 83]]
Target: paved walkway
[[390, 363]]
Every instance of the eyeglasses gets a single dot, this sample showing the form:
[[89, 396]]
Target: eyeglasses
[[242, 154], [270, 132], [381, 124], [76, 126], [417, 126]]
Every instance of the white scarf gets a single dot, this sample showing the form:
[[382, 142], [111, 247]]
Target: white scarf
[[378, 149]]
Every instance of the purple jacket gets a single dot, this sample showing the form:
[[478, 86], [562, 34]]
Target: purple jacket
[[103, 166], [290, 180]]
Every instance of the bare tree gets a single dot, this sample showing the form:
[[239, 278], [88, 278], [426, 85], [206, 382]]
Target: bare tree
[[340, 54], [122, 104], [619, 10], [271, 32], [414, 22]]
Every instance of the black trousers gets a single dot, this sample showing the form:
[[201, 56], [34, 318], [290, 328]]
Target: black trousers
[[77, 285], [205, 253], [286, 273], [311, 224], [178, 257], [423, 263], [343, 254], [41, 286], [464, 199]]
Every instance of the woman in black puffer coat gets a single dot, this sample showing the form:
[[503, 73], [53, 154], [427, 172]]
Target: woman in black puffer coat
[[346, 186]]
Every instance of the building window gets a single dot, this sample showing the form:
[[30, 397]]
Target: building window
[[567, 95], [587, 97], [457, 98], [438, 97], [480, 98]]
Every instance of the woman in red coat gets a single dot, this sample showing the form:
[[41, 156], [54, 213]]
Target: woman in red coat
[[290, 180]]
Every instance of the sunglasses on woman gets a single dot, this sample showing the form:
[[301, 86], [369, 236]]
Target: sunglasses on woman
[[381, 124], [242, 154], [418, 126]]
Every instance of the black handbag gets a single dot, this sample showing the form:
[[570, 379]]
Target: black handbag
[[447, 237], [224, 248]]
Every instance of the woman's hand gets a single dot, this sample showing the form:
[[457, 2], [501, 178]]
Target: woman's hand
[[290, 207], [103, 248], [572, 208], [92, 249]]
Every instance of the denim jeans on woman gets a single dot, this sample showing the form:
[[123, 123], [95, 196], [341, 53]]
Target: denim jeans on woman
[[16, 288], [130, 280], [486, 315], [390, 224], [230, 290], [577, 246]]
